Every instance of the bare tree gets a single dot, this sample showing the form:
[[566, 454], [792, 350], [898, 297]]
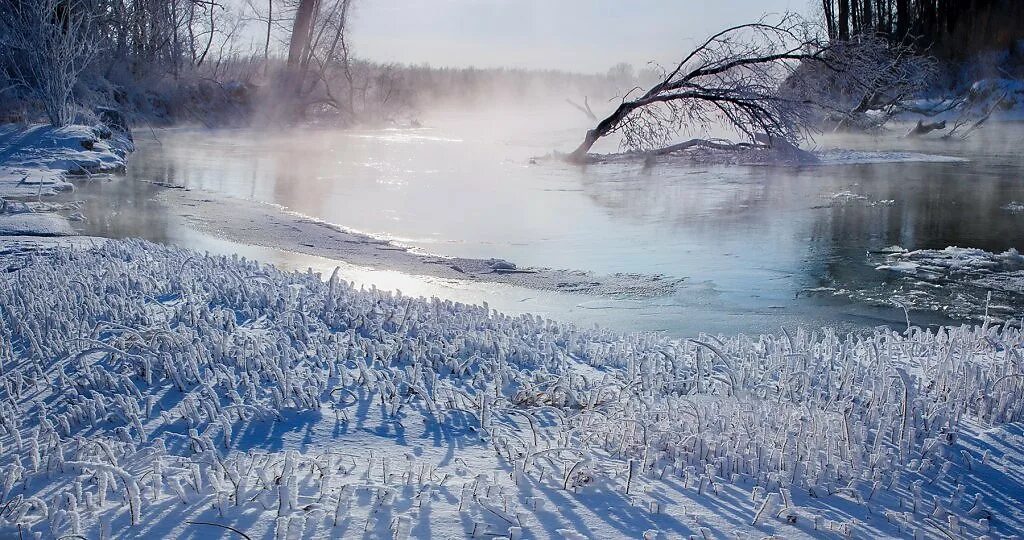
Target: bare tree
[[328, 52], [267, 19], [585, 108], [733, 77], [863, 81], [299, 46], [46, 45]]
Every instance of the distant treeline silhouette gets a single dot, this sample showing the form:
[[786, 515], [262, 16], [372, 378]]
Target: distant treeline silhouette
[[951, 29]]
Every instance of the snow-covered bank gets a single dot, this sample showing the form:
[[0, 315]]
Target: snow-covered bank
[[784, 156], [154, 391], [270, 226], [37, 160], [998, 99]]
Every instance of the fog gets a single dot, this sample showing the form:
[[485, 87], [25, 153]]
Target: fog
[[576, 35], [477, 269]]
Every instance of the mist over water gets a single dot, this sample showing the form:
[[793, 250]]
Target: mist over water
[[758, 246]]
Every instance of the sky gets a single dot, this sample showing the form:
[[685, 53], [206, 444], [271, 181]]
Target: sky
[[573, 35]]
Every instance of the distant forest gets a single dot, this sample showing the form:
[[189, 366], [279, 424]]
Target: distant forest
[[949, 29]]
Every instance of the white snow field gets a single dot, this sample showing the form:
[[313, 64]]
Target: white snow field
[[150, 391]]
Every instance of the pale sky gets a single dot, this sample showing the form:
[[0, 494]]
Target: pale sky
[[574, 35]]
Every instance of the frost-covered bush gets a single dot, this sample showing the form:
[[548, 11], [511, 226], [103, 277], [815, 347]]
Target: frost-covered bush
[[44, 46]]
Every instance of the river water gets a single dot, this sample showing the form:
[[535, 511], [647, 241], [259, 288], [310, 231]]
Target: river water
[[758, 246]]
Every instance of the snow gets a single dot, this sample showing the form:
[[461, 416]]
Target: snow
[[953, 261], [847, 198], [233, 219], [961, 282], [36, 160], [785, 156], [837, 156], [41, 224], [903, 267], [1014, 207], [1005, 95], [154, 391]]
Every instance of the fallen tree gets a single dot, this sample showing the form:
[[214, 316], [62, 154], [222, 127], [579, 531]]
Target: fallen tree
[[863, 82], [732, 78], [923, 128]]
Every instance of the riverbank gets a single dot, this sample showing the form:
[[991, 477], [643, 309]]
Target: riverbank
[[157, 391], [38, 161], [253, 223], [738, 248]]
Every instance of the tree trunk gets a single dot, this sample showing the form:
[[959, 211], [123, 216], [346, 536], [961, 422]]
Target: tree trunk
[[603, 128], [270, 25], [830, 18], [302, 32], [844, 20], [902, 20], [923, 128]]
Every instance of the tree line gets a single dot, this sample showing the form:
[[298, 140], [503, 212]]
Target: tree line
[[222, 62], [948, 29]]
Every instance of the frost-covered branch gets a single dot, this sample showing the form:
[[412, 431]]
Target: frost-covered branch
[[732, 78], [45, 45]]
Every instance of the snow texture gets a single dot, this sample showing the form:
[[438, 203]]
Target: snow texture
[[784, 156], [36, 159], [860, 157], [1004, 98], [32, 223], [1014, 207], [150, 391]]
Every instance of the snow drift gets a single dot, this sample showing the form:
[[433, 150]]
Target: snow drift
[[35, 160]]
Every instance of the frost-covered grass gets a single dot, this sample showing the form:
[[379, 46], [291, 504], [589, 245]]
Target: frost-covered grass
[[153, 391]]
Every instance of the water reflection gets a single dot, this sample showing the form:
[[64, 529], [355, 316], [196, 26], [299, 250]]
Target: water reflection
[[750, 240]]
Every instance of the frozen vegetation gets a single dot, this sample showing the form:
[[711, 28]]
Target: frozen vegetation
[[154, 391]]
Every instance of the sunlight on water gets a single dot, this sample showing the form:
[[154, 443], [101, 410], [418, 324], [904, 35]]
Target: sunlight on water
[[758, 246]]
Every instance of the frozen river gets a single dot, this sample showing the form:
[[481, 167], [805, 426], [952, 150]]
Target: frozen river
[[758, 247]]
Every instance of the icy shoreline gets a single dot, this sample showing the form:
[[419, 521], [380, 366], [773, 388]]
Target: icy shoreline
[[37, 160], [270, 226], [965, 284], [155, 391]]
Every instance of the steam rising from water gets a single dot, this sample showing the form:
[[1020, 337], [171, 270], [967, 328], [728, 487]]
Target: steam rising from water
[[749, 241]]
